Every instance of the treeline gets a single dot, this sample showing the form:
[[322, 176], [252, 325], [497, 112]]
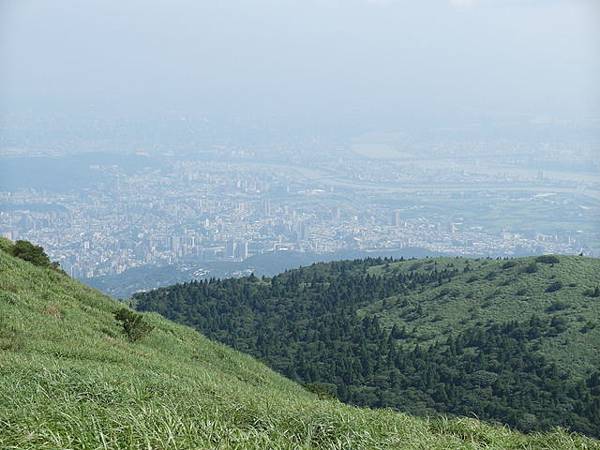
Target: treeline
[[304, 323]]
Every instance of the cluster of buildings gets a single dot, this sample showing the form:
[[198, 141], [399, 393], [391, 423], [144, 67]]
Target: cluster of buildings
[[206, 211]]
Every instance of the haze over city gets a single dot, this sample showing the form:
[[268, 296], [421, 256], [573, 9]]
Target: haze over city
[[192, 139]]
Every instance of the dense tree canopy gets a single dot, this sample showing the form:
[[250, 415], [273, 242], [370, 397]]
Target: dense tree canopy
[[308, 325]]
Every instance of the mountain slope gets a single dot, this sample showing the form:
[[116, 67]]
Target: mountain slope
[[504, 290], [515, 341], [70, 379]]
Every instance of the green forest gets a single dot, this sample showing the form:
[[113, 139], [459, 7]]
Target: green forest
[[513, 341]]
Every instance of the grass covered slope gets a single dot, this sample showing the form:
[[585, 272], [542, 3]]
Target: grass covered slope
[[480, 290], [69, 378], [511, 341]]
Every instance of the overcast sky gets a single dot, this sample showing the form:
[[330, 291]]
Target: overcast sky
[[310, 58]]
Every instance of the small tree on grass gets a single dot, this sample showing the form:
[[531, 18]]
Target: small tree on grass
[[32, 253], [555, 286], [134, 325]]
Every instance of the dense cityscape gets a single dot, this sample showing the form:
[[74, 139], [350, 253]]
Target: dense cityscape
[[170, 211]]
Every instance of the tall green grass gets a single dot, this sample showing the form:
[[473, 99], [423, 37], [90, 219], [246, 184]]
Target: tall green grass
[[70, 379]]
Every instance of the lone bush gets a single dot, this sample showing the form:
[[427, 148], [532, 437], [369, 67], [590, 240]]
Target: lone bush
[[134, 325], [33, 253], [555, 286], [509, 264]]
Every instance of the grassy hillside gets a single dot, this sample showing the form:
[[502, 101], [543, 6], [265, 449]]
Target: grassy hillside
[[515, 341], [501, 290], [69, 378]]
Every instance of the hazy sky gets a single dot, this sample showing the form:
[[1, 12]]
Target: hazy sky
[[302, 58]]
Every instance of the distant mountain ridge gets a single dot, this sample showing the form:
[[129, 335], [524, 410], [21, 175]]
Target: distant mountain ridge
[[71, 378], [509, 340], [148, 277]]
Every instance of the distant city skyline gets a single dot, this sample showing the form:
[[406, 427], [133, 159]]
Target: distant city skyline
[[205, 214]]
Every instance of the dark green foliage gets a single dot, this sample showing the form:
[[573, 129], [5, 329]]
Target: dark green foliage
[[548, 259], [557, 306], [588, 327], [554, 286], [32, 253], [133, 323], [594, 293], [558, 325], [307, 325], [323, 390], [509, 264]]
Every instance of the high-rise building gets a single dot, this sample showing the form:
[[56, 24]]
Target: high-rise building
[[397, 219], [230, 249], [267, 207], [241, 250], [175, 243], [301, 230]]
